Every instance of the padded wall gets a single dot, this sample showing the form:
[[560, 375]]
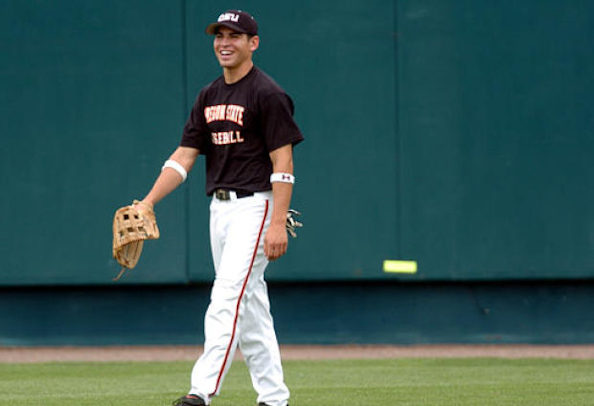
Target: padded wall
[[457, 134]]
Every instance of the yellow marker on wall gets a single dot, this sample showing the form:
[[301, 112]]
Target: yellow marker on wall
[[393, 266]]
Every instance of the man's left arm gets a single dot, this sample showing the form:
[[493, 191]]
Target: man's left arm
[[276, 239]]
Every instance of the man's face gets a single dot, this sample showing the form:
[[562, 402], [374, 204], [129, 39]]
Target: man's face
[[233, 49]]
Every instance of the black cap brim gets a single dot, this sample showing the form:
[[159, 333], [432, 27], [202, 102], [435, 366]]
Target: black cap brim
[[213, 28]]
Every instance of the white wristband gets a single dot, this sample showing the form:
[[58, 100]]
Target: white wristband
[[282, 177], [176, 166]]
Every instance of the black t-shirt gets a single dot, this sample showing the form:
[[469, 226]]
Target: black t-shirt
[[236, 126]]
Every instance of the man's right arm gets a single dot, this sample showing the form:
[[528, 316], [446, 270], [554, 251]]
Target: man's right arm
[[170, 179]]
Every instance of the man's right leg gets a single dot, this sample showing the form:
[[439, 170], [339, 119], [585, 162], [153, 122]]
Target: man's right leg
[[236, 229]]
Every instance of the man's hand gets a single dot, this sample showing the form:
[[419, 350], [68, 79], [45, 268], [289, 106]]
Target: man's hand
[[275, 241], [144, 207]]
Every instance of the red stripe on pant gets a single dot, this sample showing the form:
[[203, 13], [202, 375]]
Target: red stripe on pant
[[239, 302]]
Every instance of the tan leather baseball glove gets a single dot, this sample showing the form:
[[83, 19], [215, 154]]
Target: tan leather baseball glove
[[131, 226], [292, 224]]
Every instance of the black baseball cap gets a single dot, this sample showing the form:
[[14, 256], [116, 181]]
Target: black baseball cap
[[237, 20]]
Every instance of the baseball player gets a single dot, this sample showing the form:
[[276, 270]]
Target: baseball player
[[243, 123]]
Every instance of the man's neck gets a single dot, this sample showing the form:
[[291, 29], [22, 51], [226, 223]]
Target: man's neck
[[234, 75]]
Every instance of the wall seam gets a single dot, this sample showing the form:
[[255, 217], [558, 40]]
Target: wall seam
[[184, 83], [397, 134]]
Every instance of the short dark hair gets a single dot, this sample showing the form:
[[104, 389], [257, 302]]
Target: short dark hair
[[249, 36]]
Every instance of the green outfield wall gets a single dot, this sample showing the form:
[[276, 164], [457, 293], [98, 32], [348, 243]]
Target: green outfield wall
[[457, 134], [312, 313]]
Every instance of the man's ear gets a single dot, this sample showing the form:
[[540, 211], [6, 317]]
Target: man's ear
[[254, 43]]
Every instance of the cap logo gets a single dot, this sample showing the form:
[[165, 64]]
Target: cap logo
[[228, 17]]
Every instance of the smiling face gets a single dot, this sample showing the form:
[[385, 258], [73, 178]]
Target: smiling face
[[234, 51]]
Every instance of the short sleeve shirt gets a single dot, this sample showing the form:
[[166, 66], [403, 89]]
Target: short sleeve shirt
[[236, 126]]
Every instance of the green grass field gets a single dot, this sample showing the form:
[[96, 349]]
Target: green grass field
[[456, 382]]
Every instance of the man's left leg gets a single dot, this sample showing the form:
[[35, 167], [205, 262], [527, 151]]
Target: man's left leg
[[258, 343]]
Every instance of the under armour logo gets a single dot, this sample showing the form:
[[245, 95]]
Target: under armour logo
[[286, 177]]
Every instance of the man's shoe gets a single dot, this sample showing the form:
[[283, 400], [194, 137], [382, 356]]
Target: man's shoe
[[189, 400], [264, 404]]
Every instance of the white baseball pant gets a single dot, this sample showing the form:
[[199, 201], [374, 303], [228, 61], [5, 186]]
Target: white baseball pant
[[239, 309]]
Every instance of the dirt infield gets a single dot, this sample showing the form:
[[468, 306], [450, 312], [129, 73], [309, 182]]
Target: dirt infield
[[190, 353]]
